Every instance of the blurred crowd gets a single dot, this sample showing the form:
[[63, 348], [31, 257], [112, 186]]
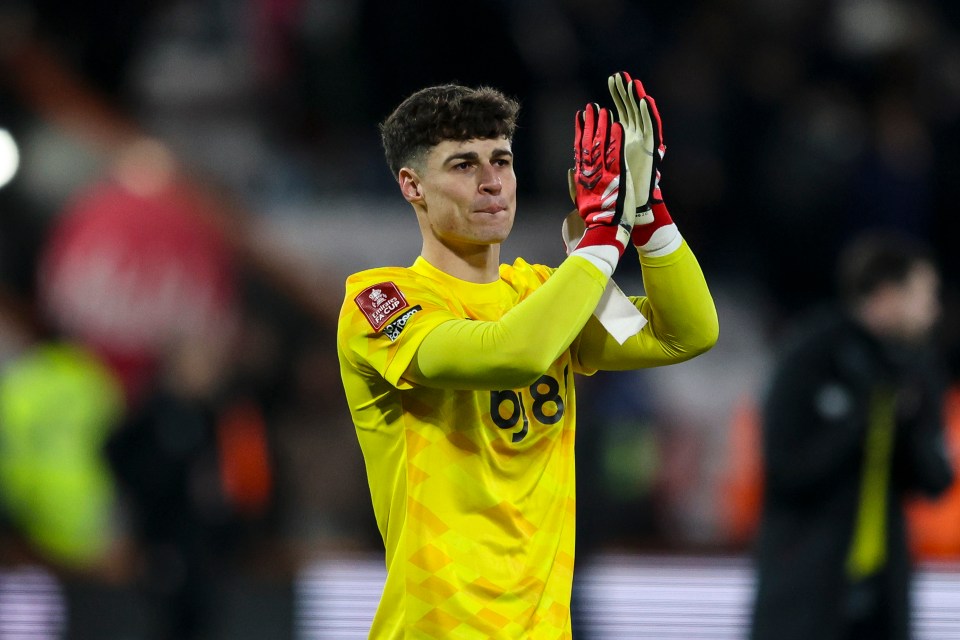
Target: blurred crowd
[[170, 404]]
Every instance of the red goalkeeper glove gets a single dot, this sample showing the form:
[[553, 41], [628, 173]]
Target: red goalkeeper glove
[[597, 184], [654, 232]]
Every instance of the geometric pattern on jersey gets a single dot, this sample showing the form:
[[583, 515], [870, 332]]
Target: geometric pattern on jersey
[[473, 490]]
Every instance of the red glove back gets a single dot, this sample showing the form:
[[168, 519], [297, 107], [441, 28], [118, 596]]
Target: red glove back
[[598, 162]]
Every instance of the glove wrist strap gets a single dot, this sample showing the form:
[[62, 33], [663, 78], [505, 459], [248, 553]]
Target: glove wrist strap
[[663, 241], [603, 257]]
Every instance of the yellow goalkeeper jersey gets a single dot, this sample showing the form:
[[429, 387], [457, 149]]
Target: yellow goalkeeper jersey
[[492, 554], [474, 490]]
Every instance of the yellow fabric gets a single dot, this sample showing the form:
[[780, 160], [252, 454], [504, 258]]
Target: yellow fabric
[[682, 319], [473, 483], [518, 346], [868, 550]]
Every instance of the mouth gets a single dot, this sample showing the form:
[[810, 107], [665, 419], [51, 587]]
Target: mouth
[[492, 209]]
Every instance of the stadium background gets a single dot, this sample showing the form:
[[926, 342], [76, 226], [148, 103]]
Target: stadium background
[[790, 127]]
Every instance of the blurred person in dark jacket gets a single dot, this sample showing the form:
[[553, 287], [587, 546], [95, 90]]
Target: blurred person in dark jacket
[[194, 465], [852, 424]]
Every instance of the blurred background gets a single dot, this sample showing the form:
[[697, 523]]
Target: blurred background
[[185, 185]]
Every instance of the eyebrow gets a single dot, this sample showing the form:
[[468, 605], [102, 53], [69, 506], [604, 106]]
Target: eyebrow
[[474, 156]]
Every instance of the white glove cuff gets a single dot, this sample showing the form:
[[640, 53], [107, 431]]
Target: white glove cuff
[[664, 240], [615, 311], [603, 257]]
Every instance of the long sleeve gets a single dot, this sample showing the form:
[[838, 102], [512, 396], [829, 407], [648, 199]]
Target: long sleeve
[[922, 454], [682, 318], [516, 349], [815, 411]]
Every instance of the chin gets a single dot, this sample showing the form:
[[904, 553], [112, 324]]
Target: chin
[[497, 238], [496, 232]]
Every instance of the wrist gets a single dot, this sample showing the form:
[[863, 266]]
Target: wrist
[[603, 257], [664, 240], [658, 237]]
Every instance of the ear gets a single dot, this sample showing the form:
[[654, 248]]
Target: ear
[[410, 185]]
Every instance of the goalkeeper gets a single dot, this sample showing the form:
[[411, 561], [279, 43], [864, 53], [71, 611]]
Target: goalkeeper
[[459, 370]]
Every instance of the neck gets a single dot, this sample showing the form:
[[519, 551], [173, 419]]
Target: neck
[[477, 263]]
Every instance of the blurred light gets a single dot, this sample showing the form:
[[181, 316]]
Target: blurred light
[[875, 27], [9, 157], [32, 604], [624, 596]]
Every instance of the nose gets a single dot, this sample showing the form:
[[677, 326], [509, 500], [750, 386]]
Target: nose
[[490, 181]]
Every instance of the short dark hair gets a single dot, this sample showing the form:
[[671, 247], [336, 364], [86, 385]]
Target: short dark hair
[[877, 258], [445, 112]]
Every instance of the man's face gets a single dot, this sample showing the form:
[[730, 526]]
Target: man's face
[[920, 303], [467, 192]]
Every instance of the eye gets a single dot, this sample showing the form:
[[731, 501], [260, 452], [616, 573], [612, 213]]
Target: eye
[[502, 162], [462, 166]]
